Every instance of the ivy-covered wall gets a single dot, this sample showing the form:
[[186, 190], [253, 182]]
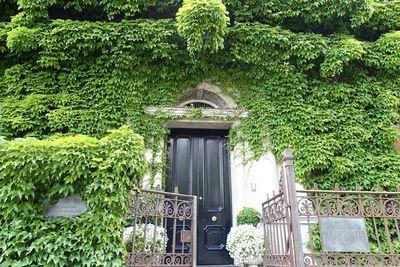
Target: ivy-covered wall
[[35, 173], [321, 78]]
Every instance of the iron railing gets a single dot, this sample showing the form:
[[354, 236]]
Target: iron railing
[[281, 223], [380, 211], [293, 225], [163, 229]]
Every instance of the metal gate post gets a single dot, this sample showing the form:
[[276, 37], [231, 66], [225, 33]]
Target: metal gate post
[[290, 192], [194, 232]]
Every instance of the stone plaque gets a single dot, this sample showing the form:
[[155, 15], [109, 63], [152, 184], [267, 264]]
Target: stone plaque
[[71, 206], [340, 234]]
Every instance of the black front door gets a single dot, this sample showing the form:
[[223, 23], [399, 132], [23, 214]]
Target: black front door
[[199, 165]]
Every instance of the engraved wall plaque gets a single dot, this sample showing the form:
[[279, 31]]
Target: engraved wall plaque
[[340, 234], [71, 206]]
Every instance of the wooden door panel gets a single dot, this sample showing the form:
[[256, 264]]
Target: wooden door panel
[[199, 166], [214, 176], [215, 236], [183, 165]]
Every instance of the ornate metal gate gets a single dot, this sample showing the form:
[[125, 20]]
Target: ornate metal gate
[[163, 231], [330, 228]]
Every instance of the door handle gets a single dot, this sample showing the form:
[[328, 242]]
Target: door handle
[[214, 218]]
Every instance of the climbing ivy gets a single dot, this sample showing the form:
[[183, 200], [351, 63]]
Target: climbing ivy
[[333, 128], [203, 23], [333, 12], [9, 8], [35, 9], [35, 173], [321, 78]]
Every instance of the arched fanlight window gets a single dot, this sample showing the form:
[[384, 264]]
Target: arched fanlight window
[[201, 99], [198, 104], [205, 96]]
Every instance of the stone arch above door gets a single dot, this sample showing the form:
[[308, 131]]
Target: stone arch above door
[[208, 94], [220, 110]]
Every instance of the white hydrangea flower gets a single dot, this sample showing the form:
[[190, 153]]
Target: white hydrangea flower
[[245, 241], [144, 238]]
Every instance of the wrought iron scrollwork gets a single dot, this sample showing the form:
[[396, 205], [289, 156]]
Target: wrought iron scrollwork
[[380, 211], [158, 219]]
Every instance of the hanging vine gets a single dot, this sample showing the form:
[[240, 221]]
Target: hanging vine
[[321, 81]]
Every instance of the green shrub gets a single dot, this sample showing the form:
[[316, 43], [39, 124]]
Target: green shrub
[[35, 173], [248, 216]]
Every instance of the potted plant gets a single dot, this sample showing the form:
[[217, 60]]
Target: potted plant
[[245, 242], [248, 216]]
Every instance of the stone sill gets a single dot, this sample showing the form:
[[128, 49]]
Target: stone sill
[[206, 113]]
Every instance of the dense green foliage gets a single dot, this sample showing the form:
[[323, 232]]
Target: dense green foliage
[[248, 216], [34, 173], [203, 23], [320, 78]]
